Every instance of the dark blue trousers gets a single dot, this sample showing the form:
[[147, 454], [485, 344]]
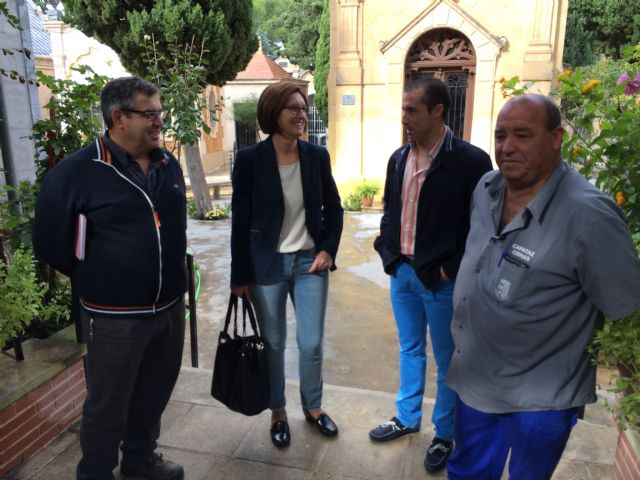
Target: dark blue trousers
[[131, 366], [483, 440]]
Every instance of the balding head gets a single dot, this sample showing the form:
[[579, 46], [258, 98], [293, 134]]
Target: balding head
[[528, 141]]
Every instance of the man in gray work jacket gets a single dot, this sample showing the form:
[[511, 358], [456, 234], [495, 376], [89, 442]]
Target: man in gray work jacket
[[129, 272], [547, 256]]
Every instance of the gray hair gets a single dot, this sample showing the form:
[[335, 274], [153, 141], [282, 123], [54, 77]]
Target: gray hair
[[119, 93]]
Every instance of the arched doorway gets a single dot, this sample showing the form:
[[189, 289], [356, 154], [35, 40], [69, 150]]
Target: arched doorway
[[448, 55]]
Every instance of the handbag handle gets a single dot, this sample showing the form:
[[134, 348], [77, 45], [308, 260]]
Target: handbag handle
[[247, 309], [232, 308]]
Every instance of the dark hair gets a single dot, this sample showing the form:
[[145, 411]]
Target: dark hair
[[554, 119], [119, 93], [434, 92], [272, 101]]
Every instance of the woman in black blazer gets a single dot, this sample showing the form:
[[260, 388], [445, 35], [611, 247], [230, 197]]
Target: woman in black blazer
[[285, 230]]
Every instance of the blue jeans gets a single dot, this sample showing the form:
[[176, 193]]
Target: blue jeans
[[536, 439], [288, 275], [414, 309]]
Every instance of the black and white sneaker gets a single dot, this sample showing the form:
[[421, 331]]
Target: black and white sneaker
[[390, 431], [437, 455]]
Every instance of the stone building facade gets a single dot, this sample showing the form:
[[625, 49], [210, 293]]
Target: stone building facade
[[377, 46]]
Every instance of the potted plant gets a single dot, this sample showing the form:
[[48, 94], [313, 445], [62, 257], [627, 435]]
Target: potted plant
[[367, 191]]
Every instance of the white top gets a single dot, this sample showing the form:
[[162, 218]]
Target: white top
[[293, 234]]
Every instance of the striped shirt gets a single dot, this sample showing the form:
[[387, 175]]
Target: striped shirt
[[411, 186]]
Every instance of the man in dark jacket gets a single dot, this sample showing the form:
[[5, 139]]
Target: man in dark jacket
[[422, 238], [112, 216]]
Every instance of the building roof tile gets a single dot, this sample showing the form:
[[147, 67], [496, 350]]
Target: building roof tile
[[262, 67]]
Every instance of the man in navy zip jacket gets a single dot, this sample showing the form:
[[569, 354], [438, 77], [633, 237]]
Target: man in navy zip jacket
[[112, 216], [423, 229]]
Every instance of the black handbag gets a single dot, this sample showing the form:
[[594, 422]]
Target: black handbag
[[240, 375]]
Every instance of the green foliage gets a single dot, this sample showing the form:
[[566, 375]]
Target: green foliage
[[244, 110], [217, 213], [20, 294], [267, 23], [181, 75], [16, 216], [269, 47], [577, 46], [601, 109], [223, 27], [11, 19], [74, 116], [613, 23], [352, 203], [192, 210], [368, 189], [23, 297], [14, 22], [618, 344], [322, 66], [295, 23]]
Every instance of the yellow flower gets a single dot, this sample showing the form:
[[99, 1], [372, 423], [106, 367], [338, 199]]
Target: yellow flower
[[589, 85], [620, 198], [577, 149], [502, 80], [564, 74]]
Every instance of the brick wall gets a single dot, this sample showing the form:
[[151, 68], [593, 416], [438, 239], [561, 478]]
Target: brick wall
[[34, 420], [627, 464]]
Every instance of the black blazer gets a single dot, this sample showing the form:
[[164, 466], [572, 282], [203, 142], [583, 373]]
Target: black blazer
[[443, 210], [257, 207]]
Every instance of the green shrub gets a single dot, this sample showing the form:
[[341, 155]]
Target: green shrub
[[20, 294], [192, 210], [218, 213], [353, 203], [618, 344], [368, 189]]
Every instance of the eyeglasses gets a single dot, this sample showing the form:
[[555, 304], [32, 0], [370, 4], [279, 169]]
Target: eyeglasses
[[148, 114], [298, 110]]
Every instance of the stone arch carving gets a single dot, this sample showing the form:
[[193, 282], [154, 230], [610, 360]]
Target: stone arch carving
[[447, 55], [487, 46]]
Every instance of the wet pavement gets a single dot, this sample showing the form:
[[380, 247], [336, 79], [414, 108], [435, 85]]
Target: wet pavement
[[360, 340], [360, 378]]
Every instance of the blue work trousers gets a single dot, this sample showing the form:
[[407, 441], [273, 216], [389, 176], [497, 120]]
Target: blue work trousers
[[417, 310], [483, 440], [289, 276]]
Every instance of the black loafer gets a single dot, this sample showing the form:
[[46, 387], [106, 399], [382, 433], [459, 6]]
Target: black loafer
[[327, 427], [280, 435]]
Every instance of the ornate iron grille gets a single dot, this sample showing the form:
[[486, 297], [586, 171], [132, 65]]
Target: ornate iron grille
[[448, 55]]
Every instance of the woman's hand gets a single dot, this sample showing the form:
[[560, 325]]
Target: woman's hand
[[241, 291], [322, 262]]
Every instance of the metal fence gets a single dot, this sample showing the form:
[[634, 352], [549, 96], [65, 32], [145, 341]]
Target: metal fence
[[317, 128]]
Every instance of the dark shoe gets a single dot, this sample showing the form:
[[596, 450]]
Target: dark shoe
[[437, 455], [390, 431], [280, 435], [153, 467], [324, 423]]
